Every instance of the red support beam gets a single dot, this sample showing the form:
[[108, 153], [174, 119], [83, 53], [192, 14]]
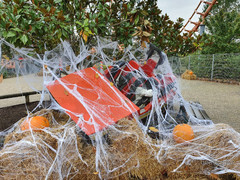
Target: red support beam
[[195, 23], [203, 14]]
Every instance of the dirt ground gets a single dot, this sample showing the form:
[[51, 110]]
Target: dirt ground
[[221, 101]]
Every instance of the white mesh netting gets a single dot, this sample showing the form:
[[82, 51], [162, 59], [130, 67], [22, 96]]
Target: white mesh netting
[[95, 132]]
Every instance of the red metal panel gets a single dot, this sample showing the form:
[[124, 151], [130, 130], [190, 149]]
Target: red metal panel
[[89, 94]]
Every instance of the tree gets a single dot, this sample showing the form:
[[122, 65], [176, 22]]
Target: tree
[[43, 23], [223, 28]]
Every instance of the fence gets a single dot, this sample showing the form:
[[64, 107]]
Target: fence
[[215, 66]]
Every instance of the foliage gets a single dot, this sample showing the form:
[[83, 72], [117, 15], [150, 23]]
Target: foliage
[[39, 24], [6, 73], [223, 28]]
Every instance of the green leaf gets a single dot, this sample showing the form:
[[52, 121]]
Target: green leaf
[[86, 33], [18, 16], [77, 22], [195, 44], [66, 28], [147, 34], [95, 30], [59, 35], [64, 33], [4, 34], [16, 29], [24, 39], [90, 32], [133, 12], [136, 20], [85, 22], [14, 40], [19, 11], [144, 13], [11, 34]]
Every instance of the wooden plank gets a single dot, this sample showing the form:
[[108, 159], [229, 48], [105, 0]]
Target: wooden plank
[[199, 111], [26, 94], [18, 95], [188, 109], [205, 115], [196, 111], [27, 99], [202, 111]]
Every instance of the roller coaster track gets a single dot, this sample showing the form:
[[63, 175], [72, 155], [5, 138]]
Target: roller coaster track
[[203, 14]]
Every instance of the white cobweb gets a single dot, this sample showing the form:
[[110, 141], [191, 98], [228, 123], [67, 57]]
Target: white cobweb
[[136, 146]]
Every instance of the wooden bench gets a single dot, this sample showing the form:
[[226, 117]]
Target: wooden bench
[[26, 94]]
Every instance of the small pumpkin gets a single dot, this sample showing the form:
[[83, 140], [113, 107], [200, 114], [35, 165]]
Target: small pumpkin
[[35, 123], [182, 133], [190, 72]]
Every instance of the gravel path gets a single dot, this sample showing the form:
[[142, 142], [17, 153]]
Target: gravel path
[[221, 101]]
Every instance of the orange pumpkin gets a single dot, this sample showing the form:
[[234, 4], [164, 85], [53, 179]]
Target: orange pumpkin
[[191, 73], [182, 133], [35, 123]]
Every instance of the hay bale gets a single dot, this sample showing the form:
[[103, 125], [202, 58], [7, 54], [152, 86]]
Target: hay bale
[[60, 152], [189, 75], [35, 153], [210, 152], [40, 73]]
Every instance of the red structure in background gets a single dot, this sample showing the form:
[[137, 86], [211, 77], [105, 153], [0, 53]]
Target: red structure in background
[[203, 14]]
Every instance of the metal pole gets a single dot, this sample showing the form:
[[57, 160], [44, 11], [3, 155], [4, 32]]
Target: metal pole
[[0, 51], [180, 65], [212, 67], [1, 73], [189, 59]]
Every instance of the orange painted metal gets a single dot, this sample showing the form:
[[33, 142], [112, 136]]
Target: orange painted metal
[[91, 100], [203, 15]]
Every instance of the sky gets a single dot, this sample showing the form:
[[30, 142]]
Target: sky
[[178, 8]]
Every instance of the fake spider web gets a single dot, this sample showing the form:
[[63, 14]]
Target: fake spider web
[[135, 145]]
